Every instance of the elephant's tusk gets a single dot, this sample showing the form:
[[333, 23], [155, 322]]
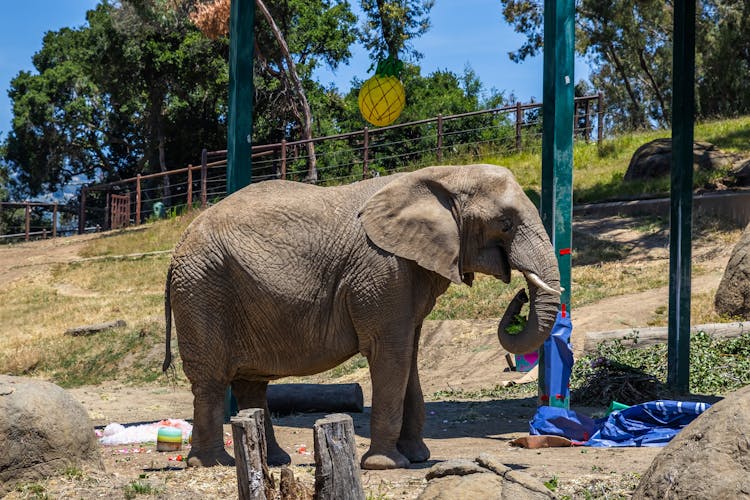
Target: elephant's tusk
[[536, 280]]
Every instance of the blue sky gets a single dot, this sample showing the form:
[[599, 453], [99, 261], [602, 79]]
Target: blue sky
[[464, 32]]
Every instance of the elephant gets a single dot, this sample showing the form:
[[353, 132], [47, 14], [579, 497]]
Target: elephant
[[283, 278]]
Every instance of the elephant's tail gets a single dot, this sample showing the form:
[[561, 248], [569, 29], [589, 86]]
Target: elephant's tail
[[168, 318]]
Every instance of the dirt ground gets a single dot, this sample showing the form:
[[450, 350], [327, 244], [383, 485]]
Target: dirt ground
[[454, 355]]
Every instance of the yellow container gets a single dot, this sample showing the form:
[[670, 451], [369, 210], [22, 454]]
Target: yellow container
[[168, 439]]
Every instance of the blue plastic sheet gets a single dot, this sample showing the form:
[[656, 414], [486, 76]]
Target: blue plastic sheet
[[549, 420], [647, 424], [653, 423], [558, 362]]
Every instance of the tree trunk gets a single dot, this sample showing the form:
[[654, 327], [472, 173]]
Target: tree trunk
[[659, 97], [163, 167], [637, 117], [312, 170]]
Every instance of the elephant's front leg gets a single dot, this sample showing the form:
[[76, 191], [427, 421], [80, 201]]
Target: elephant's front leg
[[410, 442], [389, 369]]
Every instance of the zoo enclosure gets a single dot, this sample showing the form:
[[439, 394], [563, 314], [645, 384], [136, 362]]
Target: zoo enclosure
[[38, 231], [340, 159]]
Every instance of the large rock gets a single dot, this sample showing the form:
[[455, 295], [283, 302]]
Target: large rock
[[733, 295], [485, 478], [741, 173], [708, 459], [43, 430], [654, 159]]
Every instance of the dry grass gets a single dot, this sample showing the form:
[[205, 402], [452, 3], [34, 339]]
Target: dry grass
[[38, 308], [104, 286]]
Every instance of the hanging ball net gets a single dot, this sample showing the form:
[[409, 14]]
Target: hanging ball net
[[382, 97]]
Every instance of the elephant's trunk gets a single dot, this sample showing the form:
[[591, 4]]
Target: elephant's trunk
[[532, 254]]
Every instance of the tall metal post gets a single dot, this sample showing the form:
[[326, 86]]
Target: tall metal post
[[240, 122], [557, 142], [680, 222]]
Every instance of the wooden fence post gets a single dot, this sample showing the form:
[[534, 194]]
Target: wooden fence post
[[54, 220], [519, 122], [337, 473], [600, 119], [283, 158], [82, 211], [138, 199], [249, 435], [108, 212], [366, 153], [587, 119], [204, 178], [190, 188], [440, 138], [28, 220]]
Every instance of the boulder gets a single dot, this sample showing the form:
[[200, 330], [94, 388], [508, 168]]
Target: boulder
[[43, 430], [485, 477], [741, 174], [708, 459], [733, 295], [654, 159]]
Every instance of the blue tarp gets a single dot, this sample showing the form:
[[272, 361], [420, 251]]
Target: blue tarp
[[653, 423], [558, 362]]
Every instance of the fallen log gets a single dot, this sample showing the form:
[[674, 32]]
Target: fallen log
[[307, 398], [642, 337], [80, 331]]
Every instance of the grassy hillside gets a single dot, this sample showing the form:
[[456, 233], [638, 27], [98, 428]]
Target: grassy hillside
[[107, 281], [599, 171]]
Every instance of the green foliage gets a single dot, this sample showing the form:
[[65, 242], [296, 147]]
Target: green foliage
[[390, 25], [33, 490], [717, 366], [551, 484], [73, 472], [497, 392], [517, 325], [317, 32], [140, 487], [629, 48]]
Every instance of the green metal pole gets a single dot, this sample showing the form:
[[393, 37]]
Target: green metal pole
[[680, 223], [557, 143], [240, 122]]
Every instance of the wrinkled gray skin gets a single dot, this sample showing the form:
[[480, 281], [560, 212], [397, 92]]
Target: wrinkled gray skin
[[285, 278]]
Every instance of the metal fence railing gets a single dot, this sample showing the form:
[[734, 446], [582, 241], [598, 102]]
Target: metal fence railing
[[337, 159]]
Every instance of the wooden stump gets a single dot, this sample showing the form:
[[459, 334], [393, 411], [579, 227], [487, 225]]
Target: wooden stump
[[337, 473], [249, 435]]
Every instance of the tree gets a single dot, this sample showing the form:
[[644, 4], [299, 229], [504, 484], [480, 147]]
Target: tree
[[137, 90], [391, 25], [291, 39], [723, 88], [629, 45]]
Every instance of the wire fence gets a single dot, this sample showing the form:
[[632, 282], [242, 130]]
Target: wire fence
[[332, 160]]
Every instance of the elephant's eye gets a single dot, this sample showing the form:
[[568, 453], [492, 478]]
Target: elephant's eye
[[506, 225]]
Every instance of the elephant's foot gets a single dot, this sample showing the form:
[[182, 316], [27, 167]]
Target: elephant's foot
[[277, 456], [209, 458], [414, 449], [384, 460]]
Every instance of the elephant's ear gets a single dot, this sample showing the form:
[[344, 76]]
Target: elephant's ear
[[415, 217]]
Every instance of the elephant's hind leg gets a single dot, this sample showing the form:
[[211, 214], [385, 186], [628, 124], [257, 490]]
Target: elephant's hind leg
[[208, 419], [253, 395]]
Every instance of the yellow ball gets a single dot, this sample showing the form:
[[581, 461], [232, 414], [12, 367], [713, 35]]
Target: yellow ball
[[381, 100]]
